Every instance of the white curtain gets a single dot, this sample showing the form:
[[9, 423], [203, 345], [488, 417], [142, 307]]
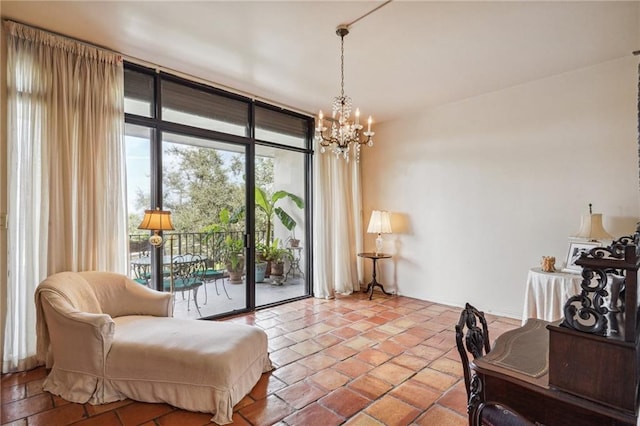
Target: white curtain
[[337, 222], [66, 171]]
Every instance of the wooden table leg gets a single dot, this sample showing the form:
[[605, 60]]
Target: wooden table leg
[[375, 283]]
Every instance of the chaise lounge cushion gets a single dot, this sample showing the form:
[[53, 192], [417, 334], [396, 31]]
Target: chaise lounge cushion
[[108, 339]]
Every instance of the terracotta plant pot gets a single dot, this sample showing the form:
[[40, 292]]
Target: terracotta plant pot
[[277, 268], [235, 276]]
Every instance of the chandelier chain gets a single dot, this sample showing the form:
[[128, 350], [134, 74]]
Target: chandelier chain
[[342, 66]]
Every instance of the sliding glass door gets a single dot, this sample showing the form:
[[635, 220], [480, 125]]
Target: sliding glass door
[[235, 174], [280, 225], [203, 185]]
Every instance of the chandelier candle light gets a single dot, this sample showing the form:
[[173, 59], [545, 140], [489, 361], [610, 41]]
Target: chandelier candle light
[[343, 132]]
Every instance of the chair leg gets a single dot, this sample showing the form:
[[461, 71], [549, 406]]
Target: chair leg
[[224, 287], [215, 283], [206, 296], [195, 300]]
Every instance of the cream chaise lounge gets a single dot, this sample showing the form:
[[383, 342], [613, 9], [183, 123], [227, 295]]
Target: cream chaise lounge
[[107, 338]]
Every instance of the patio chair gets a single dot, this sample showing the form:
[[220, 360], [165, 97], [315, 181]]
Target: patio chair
[[141, 273], [188, 276], [214, 275]]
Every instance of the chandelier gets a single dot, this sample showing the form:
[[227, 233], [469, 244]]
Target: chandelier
[[342, 133]]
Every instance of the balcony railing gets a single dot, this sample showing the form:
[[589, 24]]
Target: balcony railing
[[200, 243]]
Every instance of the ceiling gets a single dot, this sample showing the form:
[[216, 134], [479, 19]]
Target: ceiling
[[406, 56]]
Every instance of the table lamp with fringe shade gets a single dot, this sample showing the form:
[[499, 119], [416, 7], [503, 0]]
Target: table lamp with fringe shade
[[159, 220], [156, 220]]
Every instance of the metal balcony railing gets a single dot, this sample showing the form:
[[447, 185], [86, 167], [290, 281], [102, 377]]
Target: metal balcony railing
[[197, 243]]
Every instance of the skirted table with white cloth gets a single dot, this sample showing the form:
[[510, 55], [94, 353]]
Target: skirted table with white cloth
[[547, 293]]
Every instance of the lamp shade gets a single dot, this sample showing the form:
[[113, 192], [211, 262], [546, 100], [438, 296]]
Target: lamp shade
[[592, 229], [380, 222], [157, 220]]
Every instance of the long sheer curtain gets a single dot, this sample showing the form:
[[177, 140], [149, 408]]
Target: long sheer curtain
[[338, 231], [66, 168]]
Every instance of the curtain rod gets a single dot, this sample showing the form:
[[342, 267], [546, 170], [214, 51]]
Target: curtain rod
[[77, 40], [159, 68]]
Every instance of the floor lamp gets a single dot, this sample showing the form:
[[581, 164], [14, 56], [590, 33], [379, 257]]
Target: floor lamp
[[159, 220]]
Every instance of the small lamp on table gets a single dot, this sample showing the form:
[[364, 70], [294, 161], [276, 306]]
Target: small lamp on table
[[379, 223], [159, 220], [591, 227]]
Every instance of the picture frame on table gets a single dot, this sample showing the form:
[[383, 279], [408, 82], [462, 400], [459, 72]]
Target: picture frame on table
[[576, 248]]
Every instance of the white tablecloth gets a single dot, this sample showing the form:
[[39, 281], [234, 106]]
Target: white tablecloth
[[547, 293]]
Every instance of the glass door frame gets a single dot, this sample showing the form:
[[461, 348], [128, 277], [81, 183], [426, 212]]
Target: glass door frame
[[157, 127]]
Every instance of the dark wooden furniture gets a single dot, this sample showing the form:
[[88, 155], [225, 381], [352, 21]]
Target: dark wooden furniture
[[594, 353], [476, 342], [472, 336], [515, 373], [584, 369], [374, 283], [494, 414]]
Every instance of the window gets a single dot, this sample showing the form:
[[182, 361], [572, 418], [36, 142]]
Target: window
[[190, 150], [275, 126], [199, 108]]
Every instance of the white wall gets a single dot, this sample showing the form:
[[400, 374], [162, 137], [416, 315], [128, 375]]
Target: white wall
[[481, 189]]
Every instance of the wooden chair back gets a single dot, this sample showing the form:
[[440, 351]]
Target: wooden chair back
[[472, 336]]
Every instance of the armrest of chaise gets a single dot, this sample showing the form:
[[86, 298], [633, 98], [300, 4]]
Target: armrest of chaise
[[119, 295], [80, 341]]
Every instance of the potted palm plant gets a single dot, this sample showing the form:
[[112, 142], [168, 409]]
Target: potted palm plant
[[266, 203], [232, 254], [276, 256]]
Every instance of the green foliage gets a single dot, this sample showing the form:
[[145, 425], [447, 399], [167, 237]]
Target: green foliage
[[233, 253], [227, 222], [273, 252], [134, 221], [219, 237], [202, 185], [198, 184], [267, 204]]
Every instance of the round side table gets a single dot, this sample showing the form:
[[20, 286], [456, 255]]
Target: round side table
[[374, 283]]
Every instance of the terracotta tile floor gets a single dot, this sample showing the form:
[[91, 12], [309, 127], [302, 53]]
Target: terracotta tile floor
[[388, 361]]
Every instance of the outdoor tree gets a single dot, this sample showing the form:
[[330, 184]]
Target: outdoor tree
[[142, 203], [199, 183]]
